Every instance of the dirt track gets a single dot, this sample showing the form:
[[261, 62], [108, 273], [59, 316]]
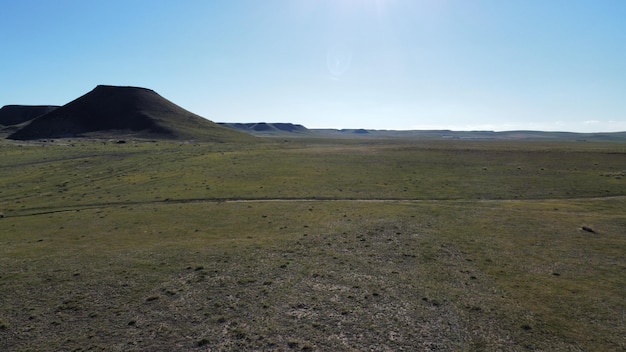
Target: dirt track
[[45, 210]]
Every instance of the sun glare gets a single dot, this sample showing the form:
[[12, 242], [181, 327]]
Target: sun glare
[[363, 5]]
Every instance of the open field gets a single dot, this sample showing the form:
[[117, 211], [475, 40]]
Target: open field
[[312, 244]]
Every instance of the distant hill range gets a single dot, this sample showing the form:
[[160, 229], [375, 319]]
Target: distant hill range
[[474, 135], [15, 114], [115, 111], [134, 112], [264, 129]]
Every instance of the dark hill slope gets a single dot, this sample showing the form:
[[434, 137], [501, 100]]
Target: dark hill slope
[[124, 111], [16, 114]]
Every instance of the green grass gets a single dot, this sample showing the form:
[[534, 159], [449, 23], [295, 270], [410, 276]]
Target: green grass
[[313, 245], [49, 177]]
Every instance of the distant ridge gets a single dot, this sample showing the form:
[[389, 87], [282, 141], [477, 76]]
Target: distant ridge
[[16, 114], [124, 111], [473, 135], [294, 130], [261, 128]]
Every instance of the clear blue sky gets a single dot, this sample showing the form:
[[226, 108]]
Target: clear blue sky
[[379, 64]]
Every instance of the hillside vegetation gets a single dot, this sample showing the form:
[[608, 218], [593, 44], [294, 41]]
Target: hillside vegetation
[[313, 244]]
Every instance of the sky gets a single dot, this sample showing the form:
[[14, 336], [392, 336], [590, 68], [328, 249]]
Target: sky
[[552, 65]]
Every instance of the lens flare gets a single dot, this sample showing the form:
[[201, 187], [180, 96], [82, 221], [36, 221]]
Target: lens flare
[[338, 60]]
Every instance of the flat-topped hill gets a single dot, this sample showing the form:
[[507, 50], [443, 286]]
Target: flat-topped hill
[[125, 111], [264, 128]]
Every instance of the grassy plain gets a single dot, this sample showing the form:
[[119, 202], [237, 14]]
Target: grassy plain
[[316, 244]]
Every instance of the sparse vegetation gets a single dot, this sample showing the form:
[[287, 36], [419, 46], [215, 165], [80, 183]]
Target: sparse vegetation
[[312, 245]]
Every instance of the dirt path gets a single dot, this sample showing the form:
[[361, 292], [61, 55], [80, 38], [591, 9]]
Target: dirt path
[[47, 210]]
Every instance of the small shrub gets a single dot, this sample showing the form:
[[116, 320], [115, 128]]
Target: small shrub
[[588, 229], [202, 342]]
